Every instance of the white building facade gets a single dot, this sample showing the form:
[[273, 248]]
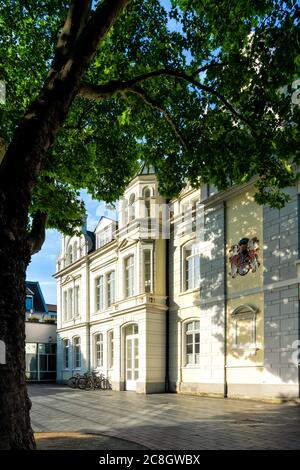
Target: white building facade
[[155, 302]]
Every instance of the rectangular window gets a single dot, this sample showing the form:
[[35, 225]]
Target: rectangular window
[[99, 293], [77, 353], [66, 349], [104, 237], [70, 304], [77, 299], [148, 270], [129, 276], [192, 267], [65, 306], [99, 349], [110, 288], [110, 349]]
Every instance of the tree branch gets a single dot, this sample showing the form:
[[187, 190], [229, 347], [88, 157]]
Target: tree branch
[[156, 104], [107, 90], [36, 237]]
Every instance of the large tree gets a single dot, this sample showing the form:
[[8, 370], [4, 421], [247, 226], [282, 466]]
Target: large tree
[[200, 89]]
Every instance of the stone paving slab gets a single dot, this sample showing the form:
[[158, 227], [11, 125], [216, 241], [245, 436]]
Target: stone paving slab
[[166, 421]]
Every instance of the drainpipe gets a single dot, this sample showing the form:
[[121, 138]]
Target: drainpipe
[[167, 317], [88, 336], [225, 301]]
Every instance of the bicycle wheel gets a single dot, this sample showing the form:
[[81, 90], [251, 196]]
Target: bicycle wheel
[[72, 382], [89, 385], [82, 383]]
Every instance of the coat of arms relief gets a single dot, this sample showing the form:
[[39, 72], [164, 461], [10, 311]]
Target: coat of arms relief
[[243, 257]]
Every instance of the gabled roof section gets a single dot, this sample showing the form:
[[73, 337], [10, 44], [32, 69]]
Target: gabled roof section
[[39, 304], [146, 170], [103, 217]]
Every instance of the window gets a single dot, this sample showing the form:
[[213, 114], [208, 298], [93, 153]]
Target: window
[[131, 208], [77, 300], [110, 349], [191, 267], [129, 276], [99, 293], [66, 349], [110, 288], [70, 255], [70, 304], [104, 237], [75, 251], [125, 209], [148, 270], [99, 350], [77, 353], [147, 201], [193, 342], [65, 306]]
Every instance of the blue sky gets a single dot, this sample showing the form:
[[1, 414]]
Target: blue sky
[[43, 264]]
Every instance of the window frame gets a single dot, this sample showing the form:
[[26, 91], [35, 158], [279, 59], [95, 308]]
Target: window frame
[[110, 299], [99, 306], [129, 290], [98, 342], [195, 259], [110, 347], [66, 353], [77, 346], [192, 333]]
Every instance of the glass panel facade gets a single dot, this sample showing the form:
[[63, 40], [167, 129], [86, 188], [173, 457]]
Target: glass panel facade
[[40, 361]]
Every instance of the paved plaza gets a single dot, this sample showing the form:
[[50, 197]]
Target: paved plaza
[[166, 421]]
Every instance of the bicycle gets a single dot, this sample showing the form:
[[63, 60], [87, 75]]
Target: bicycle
[[73, 382]]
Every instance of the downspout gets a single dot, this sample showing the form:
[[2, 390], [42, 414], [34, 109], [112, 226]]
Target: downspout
[[167, 376], [88, 336], [225, 300]]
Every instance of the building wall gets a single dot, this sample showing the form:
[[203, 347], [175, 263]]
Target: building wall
[[248, 324]]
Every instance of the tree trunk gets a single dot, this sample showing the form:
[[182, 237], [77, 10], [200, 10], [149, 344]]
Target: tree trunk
[[19, 170], [15, 429]]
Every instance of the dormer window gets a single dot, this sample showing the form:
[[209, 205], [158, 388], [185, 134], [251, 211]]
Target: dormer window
[[104, 237]]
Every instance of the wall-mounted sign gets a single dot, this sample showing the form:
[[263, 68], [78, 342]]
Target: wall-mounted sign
[[244, 257]]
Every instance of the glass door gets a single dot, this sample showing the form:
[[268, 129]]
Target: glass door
[[131, 358]]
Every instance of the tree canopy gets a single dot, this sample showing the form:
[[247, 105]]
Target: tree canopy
[[200, 89]]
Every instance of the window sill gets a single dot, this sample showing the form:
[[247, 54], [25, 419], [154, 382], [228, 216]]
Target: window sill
[[191, 366], [189, 291]]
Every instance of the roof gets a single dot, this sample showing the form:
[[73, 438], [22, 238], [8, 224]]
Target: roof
[[147, 170], [39, 304], [52, 308]]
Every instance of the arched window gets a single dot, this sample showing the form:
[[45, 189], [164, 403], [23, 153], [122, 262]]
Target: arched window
[[131, 208], [75, 248], [125, 211], [192, 342], [147, 201], [70, 255], [191, 266]]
